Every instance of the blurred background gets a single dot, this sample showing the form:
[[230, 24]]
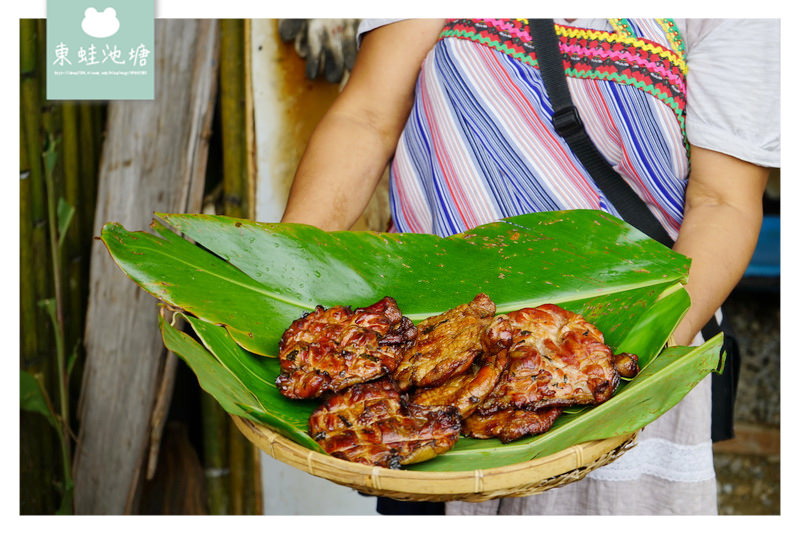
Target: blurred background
[[111, 423]]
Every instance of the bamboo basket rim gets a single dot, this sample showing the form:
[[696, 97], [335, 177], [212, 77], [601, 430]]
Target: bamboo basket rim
[[518, 479]]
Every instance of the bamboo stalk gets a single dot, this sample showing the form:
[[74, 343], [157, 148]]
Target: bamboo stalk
[[238, 201], [232, 96], [88, 171], [44, 451], [249, 123], [37, 495], [63, 385], [99, 113], [237, 452], [89, 134], [30, 96], [28, 325], [72, 247], [50, 117], [256, 500], [215, 455], [253, 504]]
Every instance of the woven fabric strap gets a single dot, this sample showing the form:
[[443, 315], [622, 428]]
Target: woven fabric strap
[[568, 124]]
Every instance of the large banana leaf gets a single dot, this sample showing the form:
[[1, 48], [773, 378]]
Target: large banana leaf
[[241, 284], [256, 278], [242, 383]]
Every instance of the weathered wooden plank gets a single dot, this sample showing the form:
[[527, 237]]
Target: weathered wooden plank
[[154, 158]]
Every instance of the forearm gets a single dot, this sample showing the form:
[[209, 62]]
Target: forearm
[[338, 173], [352, 144], [722, 219], [720, 240]]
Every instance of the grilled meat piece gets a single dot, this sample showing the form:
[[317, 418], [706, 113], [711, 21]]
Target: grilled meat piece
[[510, 424], [556, 359], [372, 423], [627, 364], [466, 391], [446, 344], [331, 349]]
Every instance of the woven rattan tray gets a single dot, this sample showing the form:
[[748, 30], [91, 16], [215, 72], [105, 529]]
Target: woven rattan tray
[[521, 479]]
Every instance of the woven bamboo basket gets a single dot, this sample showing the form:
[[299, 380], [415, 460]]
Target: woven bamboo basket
[[521, 479]]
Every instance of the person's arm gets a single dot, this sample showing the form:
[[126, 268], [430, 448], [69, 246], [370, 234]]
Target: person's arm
[[353, 142], [720, 229]]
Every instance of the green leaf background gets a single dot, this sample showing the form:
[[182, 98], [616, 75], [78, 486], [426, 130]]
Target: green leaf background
[[240, 284]]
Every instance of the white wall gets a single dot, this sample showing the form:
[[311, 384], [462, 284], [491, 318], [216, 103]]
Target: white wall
[[287, 490]]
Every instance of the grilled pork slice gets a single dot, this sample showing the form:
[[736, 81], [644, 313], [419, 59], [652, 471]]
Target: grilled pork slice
[[372, 423], [446, 344], [466, 391], [556, 359], [331, 349], [510, 424]]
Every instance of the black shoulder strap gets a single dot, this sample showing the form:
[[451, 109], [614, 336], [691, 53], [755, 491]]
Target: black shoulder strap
[[567, 123]]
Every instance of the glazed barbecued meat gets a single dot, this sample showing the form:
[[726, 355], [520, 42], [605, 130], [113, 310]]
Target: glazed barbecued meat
[[556, 359], [331, 349], [466, 391], [510, 424], [446, 344], [371, 423]]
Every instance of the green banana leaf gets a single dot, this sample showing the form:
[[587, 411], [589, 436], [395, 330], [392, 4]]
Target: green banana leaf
[[256, 278], [242, 383], [239, 284]]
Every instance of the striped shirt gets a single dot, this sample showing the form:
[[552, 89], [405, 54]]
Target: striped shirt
[[479, 144]]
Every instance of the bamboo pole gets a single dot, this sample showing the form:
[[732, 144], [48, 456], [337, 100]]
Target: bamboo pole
[[232, 102], [236, 112], [253, 496], [31, 99], [88, 171], [27, 293], [38, 455], [215, 455], [248, 122], [237, 446], [74, 299], [30, 190], [58, 324], [256, 496], [51, 129]]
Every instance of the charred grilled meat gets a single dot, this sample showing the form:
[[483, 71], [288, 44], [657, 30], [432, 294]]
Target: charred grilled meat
[[510, 424], [371, 423], [446, 344], [331, 349], [556, 359], [466, 391]]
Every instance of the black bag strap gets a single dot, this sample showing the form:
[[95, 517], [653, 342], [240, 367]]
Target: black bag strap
[[567, 123]]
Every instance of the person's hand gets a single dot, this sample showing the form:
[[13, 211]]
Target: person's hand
[[327, 45]]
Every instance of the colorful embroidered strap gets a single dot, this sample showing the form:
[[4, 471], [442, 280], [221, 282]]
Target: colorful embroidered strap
[[620, 57]]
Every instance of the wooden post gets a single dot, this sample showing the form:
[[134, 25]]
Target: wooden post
[[154, 158]]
